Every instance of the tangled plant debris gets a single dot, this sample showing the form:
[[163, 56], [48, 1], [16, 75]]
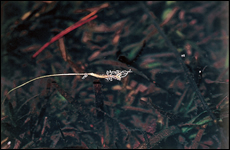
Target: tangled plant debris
[[168, 62]]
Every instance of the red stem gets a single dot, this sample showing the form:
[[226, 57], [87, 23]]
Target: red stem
[[64, 32]]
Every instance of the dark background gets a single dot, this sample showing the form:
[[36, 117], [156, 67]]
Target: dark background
[[157, 95]]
